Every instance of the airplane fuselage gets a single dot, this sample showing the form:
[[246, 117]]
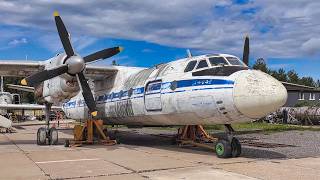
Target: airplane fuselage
[[167, 95]]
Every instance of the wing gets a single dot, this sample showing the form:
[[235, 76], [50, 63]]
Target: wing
[[97, 72], [27, 107], [21, 88], [20, 68], [27, 68]]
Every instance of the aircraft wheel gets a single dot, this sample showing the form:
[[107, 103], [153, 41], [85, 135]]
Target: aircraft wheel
[[67, 143], [41, 136], [223, 149], [53, 136], [236, 147]]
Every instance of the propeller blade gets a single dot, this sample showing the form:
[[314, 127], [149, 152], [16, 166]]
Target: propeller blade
[[63, 33], [246, 51], [39, 77], [87, 94], [103, 54]]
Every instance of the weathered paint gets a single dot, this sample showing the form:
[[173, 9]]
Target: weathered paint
[[180, 98]]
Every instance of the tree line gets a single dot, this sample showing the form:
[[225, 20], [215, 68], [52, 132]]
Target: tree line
[[291, 76]]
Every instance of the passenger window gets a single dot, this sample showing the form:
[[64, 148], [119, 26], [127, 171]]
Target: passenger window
[[153, 87], [215, 61], [190, 66], [202, 64]]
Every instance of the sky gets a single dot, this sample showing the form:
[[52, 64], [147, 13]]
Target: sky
[[285, 33]]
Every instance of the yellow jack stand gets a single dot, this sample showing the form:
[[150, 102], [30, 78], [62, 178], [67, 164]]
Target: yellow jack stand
[[84, 134], [195, 135]]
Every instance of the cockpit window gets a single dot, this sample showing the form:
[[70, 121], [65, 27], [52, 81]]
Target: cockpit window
[[202, 64], [215, 61], [234, 61], [190, 66]]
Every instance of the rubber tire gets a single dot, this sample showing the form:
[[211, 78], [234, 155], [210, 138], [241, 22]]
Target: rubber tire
[[42, 136], [67, 143], [236, 147], [53, 136], [223, 148]]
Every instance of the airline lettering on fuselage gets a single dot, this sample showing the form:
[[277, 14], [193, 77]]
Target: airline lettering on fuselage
[[121, 109]]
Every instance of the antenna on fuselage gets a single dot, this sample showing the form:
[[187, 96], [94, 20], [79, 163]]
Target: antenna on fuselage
[[189, 53]]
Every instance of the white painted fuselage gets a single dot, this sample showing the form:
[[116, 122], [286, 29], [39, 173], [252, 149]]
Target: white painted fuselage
[[167, 95]]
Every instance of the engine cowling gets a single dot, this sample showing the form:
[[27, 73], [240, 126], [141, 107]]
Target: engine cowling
[[60, 88]]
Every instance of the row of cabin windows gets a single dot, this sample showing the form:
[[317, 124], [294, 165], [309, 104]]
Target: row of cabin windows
[[312, 96], [214, 61]]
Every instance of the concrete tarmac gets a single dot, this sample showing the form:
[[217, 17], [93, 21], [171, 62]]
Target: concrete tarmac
[[140, 156]]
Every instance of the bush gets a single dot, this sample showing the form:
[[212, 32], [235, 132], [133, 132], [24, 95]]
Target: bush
[[307, 103]]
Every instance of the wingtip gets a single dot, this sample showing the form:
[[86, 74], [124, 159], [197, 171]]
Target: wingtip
[[24, 82], [94, 113], [55, 13]]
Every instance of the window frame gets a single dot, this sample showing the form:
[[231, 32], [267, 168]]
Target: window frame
[[208, 65], [301, 95], [225, 59], [241, 63], [196, 63], [312, 96], [151, 85]]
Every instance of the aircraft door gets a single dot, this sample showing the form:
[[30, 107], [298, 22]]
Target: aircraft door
[[152, 96]]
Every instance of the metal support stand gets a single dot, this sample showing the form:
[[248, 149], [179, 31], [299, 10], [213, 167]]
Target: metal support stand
[[195, 135], [85, 134]]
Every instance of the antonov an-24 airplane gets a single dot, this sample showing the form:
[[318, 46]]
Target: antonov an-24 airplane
[[198, 90]]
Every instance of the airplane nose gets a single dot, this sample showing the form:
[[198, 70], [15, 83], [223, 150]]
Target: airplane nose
[[257, 94]]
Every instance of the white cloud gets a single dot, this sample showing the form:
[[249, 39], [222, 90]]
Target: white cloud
[[17, 42], [312, 46], [286, 28]]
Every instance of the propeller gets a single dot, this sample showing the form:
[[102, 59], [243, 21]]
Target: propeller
[[74, 65], [246, 51]]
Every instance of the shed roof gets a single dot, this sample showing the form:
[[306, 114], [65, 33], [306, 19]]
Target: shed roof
[[299, 87]]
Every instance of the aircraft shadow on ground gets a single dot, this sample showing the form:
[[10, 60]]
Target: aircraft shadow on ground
[[166, 143], [160, 141]]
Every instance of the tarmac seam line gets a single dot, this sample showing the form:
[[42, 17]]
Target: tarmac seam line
[[26, 154], [67, 160]]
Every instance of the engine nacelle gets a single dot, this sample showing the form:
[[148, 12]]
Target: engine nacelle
[[58, 89]]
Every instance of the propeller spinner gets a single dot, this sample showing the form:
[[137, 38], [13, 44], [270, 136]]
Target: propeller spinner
[[74, 65]]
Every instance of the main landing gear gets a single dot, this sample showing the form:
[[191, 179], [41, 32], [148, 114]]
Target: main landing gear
[[47, 135], [225, 147]]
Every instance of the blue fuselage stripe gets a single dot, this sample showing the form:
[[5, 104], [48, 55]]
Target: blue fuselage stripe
[[137, 91]]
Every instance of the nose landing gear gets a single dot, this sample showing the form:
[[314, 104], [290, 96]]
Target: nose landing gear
[[195, 135]]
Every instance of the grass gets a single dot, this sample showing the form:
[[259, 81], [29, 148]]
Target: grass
[[265, 127], [248, 127]]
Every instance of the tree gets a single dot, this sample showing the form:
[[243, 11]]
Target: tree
[[293, 77], [280, 74], [307, 81], [261, 65], [318, 83]]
